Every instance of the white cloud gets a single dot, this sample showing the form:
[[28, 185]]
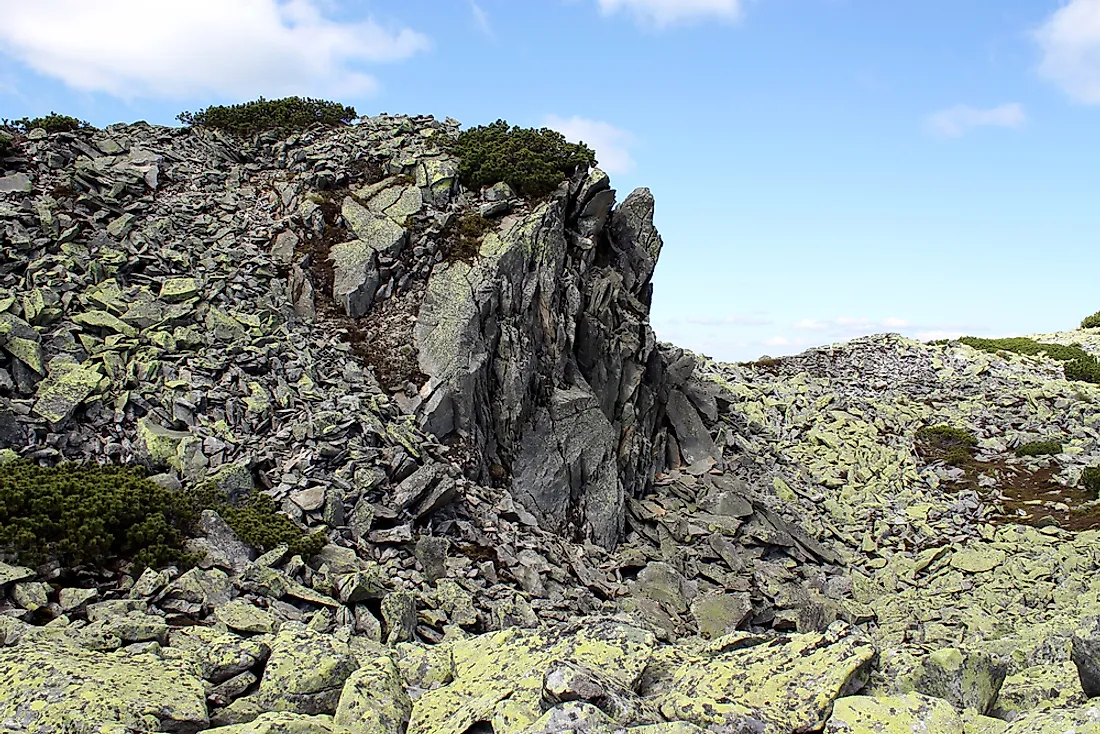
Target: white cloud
[[242, 48], [481, 18], [609, 142], [662, 13], [957, 120], [777, 341], [1070, 42], [811, 325], [893, 323]]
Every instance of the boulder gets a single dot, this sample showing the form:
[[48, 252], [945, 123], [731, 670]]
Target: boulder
[[52, 687]]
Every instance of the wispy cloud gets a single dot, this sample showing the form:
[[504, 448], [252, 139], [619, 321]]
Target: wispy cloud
[[955, 121], [1070, 43], [242, 48], [610, 143], [481, 18], [661, 13], [731, 320]]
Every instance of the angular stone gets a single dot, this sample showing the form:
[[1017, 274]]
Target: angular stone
[[244, 616], [16, 183], [1085, 654], [67, 386], [721, 614], [175, 290], [977, 559]]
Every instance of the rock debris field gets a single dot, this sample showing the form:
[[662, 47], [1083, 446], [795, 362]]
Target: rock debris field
[[539, 519]]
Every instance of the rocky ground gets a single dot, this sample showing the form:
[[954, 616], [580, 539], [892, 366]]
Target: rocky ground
[[540, 519]]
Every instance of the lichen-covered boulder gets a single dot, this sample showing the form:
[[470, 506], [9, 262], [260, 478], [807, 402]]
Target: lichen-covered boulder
[[373, 700], [786, 684], [573, 716], [50, 688], [498, 677], [306, 671], [965, 678], [905, 714]]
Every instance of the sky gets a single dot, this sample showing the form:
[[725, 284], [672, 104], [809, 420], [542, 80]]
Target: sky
[[823, 169]]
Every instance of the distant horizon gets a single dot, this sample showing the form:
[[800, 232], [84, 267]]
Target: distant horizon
[[821, 172]]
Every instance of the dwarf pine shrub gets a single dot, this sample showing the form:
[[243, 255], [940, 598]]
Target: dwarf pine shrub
[[1091, 322], [82, 514], [51, 123], [85, 514], [1090, 480], [258, 523], [1045, 447], [532, 161], [954, 446], [1079, 364], [290, 114]]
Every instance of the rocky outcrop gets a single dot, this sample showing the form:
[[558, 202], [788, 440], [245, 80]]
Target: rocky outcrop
[[540, 354]]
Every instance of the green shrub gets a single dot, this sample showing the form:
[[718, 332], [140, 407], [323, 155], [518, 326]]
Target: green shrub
[[7, 142], [1080, 365], [289, 114], [82, 514], [1090, 480], [51, 123], [1091, 322], [533, 162], [86, 514], [953, 445], [1039, 448]]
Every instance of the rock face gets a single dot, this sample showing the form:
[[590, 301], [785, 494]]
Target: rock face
[[541, 355]]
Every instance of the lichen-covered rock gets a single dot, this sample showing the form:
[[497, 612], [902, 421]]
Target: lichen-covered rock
[[1083, 720], [50, 688], [219, 655], [806, 673], [573, 716], [373, 700], [965, 678], [305, 673], [498, 677], [244, 616], [280, 722], [905, 714]]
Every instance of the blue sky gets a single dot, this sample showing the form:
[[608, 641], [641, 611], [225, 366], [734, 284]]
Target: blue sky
[[822, 168]]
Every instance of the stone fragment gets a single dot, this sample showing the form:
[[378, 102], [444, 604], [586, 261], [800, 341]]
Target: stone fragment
[[175, 290], [977, 559], [717, 615], [398, 617], [16, 183], [12, 574]]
